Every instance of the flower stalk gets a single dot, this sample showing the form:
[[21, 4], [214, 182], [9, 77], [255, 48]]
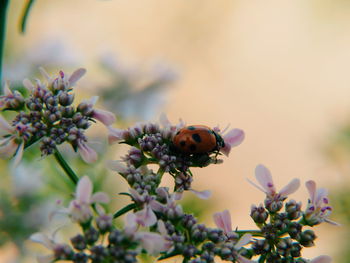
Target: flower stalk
[[65, 166], [3, 19]]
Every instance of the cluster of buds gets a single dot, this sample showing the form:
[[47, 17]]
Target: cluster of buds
[[48, 115]]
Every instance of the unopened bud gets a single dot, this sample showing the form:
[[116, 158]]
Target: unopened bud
[[259, 214]]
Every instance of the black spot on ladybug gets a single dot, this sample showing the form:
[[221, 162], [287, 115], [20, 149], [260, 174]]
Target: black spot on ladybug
[[191, 128], [193, 147], [182, 143], [196, 137]]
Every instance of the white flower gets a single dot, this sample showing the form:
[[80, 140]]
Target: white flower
[[263, 176], [80, 208], [318, 209]]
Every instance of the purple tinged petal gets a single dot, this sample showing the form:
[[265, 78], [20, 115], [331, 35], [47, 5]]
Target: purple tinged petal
[[177, 195], [8, 148], [153, 243], [321, 193], [42, 239], [244, 240], [84, 190], [163, 119], [234, 137], [311, 187], [106, 117], [45, 74], [5, 127], [202, 194], [263, 175], [290, 188], [19, 154], [131, 224], [321, 259], [86, 152], [161, 228], [7, 90], [28, 85], [76, 75], [100, 197], [115, 135], [156, 206], [136, 196], [332, 222], [146, 217], [117, 166], [223, 220]]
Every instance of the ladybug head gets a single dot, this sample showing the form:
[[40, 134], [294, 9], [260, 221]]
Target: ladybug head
[[219, 141]]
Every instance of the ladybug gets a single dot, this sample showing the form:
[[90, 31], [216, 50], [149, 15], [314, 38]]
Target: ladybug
[[198, 139]]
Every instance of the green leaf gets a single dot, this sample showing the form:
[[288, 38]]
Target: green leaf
[[25, 15], [124, 210]]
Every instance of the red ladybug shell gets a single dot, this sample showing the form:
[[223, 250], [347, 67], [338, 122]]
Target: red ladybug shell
[[195, 139]]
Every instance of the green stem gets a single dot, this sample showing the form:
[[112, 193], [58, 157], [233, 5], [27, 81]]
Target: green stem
[[65, 166], [25, 15], [3, 16], [253, 232]]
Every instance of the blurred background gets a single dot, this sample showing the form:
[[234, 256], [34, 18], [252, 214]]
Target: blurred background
[[279, 70]]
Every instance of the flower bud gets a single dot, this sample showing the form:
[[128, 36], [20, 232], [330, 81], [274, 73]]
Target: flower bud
[[261, 247], [259, 214], [98, 253], [273, 205], [307, 238], [104, 223], [80, 258], [78, 242], [293, 209], [65, 99], [63, 252], [91, 235]]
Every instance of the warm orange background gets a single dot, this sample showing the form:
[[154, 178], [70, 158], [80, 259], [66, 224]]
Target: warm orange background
[[277, 69]]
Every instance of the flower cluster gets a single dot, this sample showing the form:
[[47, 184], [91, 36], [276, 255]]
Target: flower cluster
[[47, 115], [156, 223]]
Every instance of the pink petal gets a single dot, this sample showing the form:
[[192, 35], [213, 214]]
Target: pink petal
[[156, 206], [106, 117], [8, 147], [136, 196], [42, 239], [234, 137], [5, 127], [76, 75], [87, 153], [153, 243], [263, 175], [290, 188], [7, 90], [84, 190], [100, 197], [311, 187], [223, 221], [115, 135], [45, 74], [202, 194], [131, 224], [226, 150], [161, 228], [321, 193], [244, 240], [19, 154], [146, 217], [28, 85], [163, 119], [321, 259], [117, 166]]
